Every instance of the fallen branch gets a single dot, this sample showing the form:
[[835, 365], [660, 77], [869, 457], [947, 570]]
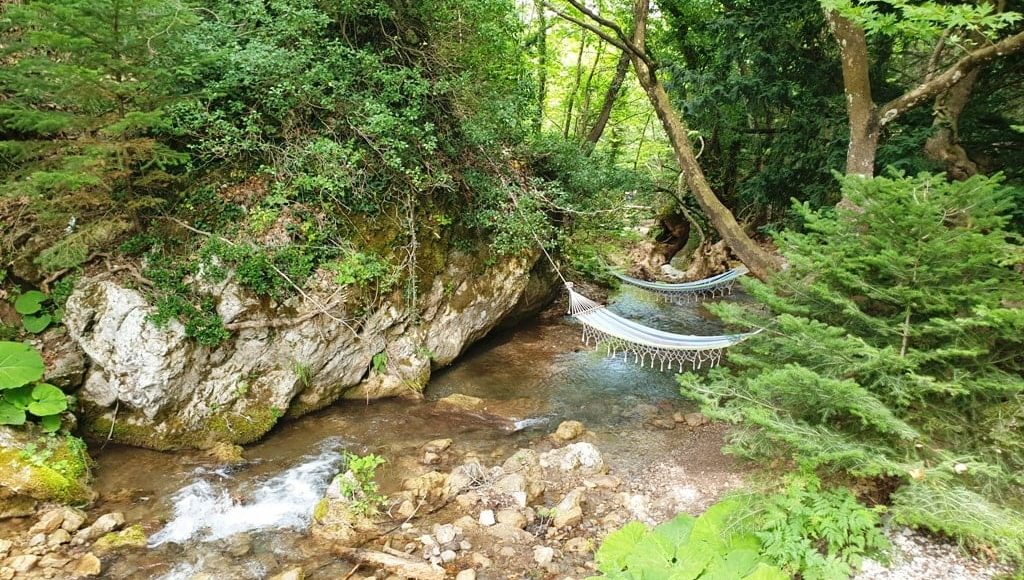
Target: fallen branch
[[405, 567]]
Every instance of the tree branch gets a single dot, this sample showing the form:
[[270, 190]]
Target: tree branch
[[931, 88], [612, 40]]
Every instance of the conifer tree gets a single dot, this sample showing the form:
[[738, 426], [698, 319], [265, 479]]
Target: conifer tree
[[893, 351], [82, 95]]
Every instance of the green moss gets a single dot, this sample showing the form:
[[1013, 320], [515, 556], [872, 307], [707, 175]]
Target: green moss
[[321, 509], [130, 537], [239, 428], [64, 480]]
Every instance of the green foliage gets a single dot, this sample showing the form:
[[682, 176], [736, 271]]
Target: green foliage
[[773, 120], [21, 369], [708, 547], [891, 346], [924, 21], [814, 532], [380, 362], [360, 269], [37, 311], [359, 484]]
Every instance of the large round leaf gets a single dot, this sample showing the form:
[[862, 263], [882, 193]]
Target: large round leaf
[[50, 423], [36, 324], [20, 398], [30, 302], [10, 415], [20, 364], [49, 400]]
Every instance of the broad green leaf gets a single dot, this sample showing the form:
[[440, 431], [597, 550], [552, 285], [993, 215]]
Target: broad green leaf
[[10, 415], [49, 400], [20, 398], [20, 364], [618, 546], [30, 302], [735, 564], [677, 530], [50, 423], [36, 324], [766, 572], [692, 559], [710, 526], [744, 542], [651, 558]]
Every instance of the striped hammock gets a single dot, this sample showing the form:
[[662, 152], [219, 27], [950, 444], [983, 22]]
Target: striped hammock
[[712, 287], [620, 335]]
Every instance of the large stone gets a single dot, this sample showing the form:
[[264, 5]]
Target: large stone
[[466, 476], [569, 512], [430, 487], [568, 430], [172, 392], [132, 537], [24, 563], [25, 480], [463, 402], [543, 555], [512, 517], [292, 574], [578, 457], [87, 565]]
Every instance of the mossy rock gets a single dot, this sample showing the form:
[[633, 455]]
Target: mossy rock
[[225, 427], [128, 538], [34, 466]]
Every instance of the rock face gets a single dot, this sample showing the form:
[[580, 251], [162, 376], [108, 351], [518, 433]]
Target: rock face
[[170, 392]]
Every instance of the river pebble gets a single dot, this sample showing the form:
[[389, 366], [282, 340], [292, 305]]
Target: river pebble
[[920, 557]]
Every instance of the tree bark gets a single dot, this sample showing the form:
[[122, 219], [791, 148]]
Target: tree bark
[[609, 100], [860, 107], [944, 145], [865, 117], [760, 262], [588, 92], [576, 84], [542, 65]]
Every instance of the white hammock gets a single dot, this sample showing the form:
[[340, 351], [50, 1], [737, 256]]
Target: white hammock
[[618, 334], [712, 287]]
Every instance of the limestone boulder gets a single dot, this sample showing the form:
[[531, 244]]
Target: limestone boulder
[[164, 390]]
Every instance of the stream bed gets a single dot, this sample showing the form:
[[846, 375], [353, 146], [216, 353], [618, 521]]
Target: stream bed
[[207, 520]]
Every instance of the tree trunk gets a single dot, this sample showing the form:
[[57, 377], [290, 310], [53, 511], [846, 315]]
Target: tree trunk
[[588, 92], [760, 262], [576, 84], [866, 118], [609, 100], [542, 65], [860, 107], [944, 145]]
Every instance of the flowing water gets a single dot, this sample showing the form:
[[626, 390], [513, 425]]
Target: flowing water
[[249, 520]]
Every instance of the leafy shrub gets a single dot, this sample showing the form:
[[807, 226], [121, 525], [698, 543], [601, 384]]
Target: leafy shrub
[[817, 533], [361, 487], [892, 350], [21, 370], [686, 547]]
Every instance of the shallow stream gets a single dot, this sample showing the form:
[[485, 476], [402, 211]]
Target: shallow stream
[[249, 520]]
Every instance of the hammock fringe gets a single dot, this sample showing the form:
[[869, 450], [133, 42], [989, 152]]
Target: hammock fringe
[[603, 328]]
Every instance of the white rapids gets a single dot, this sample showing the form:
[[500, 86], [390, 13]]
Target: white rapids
[[207, 510]]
